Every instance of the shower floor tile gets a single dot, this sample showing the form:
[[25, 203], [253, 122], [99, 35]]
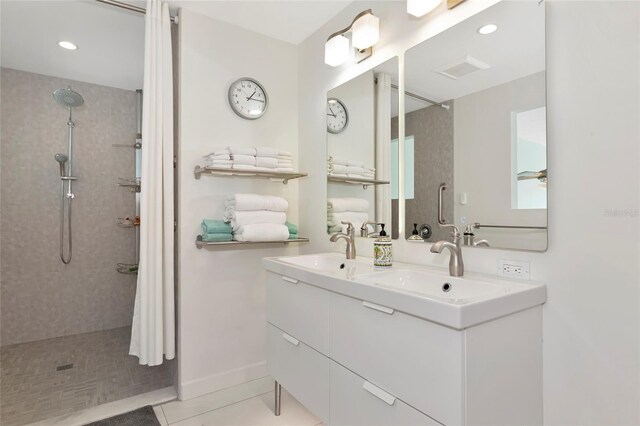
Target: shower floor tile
[[37, 381]]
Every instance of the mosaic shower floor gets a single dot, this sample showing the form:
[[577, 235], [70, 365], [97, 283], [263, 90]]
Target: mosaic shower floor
[[52, 377]]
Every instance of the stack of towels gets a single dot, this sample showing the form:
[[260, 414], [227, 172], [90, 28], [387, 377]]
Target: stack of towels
[[254, 217], [354, 210], [340, 167], [262, 159], [216, 231]]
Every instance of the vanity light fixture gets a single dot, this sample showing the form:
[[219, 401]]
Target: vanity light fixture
[[365, 32], [67, 45], [420, 8], [487, 29]]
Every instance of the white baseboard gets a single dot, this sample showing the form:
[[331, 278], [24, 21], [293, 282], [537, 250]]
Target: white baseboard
[[204, 385]]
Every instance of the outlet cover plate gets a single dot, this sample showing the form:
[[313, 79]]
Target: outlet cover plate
[[514, 269]]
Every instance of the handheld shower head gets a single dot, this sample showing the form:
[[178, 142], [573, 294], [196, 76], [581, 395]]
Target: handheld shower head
[[62, 159]]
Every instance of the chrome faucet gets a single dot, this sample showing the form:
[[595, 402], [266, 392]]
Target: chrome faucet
[[364, 229], [456, 266], [469, 238], [349, 237]]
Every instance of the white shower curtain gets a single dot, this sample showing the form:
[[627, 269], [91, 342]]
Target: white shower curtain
[[383, 147], [153, 328]]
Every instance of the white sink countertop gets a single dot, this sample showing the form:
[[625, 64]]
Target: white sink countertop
[[422, 291]]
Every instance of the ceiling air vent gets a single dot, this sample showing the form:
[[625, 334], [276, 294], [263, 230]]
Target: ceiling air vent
[[461, 67]]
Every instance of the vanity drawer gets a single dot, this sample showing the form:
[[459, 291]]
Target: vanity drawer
[[358, 402], [417, 361], [299, 309], [302, 371]]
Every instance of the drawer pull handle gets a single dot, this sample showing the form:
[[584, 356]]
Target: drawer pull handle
[[290, 339], [290, 280], [379, 393], [378, 308]]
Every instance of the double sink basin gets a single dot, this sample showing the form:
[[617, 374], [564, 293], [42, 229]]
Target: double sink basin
[[457, 302]]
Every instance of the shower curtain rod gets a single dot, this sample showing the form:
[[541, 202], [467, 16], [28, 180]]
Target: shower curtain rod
[[130, 7], [421, 98]]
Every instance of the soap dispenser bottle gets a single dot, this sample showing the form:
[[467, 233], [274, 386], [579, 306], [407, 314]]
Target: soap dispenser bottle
[[382, 256]]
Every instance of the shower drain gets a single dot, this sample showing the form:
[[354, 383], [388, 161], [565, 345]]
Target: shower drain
[[64, 367]]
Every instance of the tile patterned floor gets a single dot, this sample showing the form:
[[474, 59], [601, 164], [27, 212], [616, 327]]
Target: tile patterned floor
[[32, 389], [248, 404]]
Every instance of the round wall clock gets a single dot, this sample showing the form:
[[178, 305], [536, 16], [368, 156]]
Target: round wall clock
[[337, 116], [248, 98]]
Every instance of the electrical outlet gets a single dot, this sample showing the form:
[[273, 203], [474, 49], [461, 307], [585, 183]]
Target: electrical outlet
[[514, 269]]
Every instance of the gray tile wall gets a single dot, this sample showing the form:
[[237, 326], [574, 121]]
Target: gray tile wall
[[40, 297], [432, 128]]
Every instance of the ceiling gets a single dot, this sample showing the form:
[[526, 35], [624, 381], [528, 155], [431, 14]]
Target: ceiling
[[516, 50], [290, 21], [110, 41]]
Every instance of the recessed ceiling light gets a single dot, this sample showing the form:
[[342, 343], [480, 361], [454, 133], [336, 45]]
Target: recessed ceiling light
[[67, 45], [487, 29]]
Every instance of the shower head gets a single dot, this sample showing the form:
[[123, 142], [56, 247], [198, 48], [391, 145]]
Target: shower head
[[68, 98], [62, 159]]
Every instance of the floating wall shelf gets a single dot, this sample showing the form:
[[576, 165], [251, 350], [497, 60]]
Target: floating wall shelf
[[356, 181], [283, 176], [134, 184], [200, 243]]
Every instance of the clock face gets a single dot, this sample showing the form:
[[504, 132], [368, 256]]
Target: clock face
[[337, 116], [248, 98]]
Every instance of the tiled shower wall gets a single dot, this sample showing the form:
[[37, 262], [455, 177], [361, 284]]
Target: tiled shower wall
[[40, 296]]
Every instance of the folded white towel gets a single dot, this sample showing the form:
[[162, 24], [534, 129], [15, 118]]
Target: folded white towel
[[242, 218], [284, 157], [338, 175], [217, 157], [244, 159], [219, 152], [338, 161], [262, 232], [229, 162], [242, 151], [346, 204], [355, 163], [265, 151], [284, 169], [270, 162], [218, 166], [244, 202], [281, 161], [337, 168], [284, 154], [355, 170]]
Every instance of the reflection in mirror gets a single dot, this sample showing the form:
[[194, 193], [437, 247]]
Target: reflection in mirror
[[360, 151], [480, 145]]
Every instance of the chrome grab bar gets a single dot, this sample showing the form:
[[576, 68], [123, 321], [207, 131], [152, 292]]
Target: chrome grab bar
[[441, 222]]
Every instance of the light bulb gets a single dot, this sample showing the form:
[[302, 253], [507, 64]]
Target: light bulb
[[421, 7], [366, 31], [336, 51]]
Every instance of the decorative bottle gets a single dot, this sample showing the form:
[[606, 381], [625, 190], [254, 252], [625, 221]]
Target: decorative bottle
[[382, 256]]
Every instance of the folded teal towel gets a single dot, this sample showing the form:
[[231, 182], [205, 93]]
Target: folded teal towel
[[216, 237], [210, 226], [293, 236], [293, 229]]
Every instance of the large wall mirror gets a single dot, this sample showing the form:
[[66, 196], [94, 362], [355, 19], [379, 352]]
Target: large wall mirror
[[360, 151], [475, 149]]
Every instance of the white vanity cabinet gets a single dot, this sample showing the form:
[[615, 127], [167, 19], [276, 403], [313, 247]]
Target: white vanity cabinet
[[355, 362]]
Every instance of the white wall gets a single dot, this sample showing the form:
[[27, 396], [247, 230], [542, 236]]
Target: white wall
[[483, 153], [592, 317], [221, 322]]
